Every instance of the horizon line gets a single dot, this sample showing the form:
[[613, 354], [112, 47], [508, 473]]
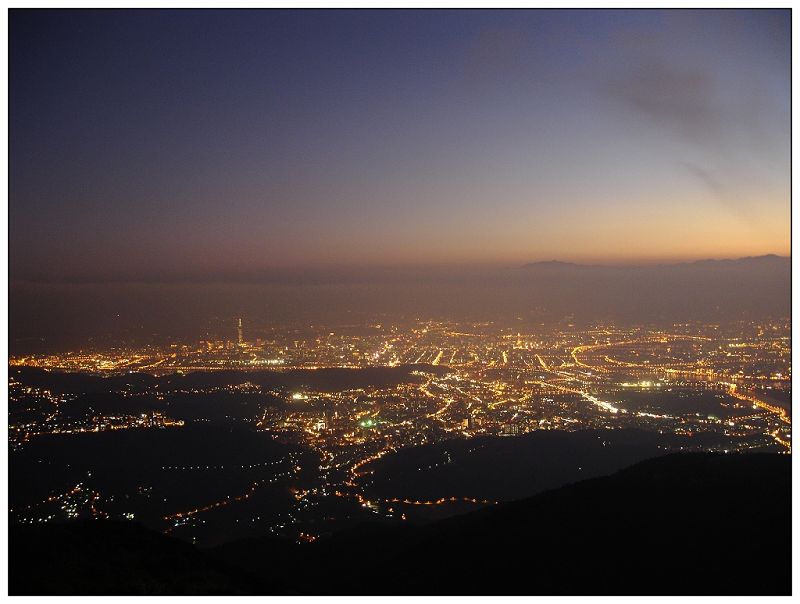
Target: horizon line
[[299, 272]]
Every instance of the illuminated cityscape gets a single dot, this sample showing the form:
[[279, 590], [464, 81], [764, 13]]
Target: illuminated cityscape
[[710, 387], [441, 302]]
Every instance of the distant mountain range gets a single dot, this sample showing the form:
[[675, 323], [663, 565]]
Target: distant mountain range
[[768, 260], [750, 288]]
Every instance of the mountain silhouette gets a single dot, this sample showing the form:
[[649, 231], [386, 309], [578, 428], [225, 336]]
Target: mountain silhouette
[[765, 261], [695, 523]]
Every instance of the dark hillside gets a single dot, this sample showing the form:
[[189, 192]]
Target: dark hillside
[[680, 524]]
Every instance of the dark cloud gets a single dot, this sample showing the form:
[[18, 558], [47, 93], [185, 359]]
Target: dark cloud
[[681, 100], [722, 194], [714, 186]]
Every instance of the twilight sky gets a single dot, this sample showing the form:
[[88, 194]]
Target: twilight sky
[[208, 142]]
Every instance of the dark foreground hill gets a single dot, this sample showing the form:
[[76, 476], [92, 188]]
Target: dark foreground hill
[[114, 558], [681, 524]]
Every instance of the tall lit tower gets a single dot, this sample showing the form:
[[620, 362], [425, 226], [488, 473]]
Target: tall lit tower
[[240, 337]]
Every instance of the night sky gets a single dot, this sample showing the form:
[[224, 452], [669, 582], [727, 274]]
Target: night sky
[[208, 142]]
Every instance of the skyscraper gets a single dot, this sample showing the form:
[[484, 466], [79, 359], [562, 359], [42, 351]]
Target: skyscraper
[[240, 338]]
